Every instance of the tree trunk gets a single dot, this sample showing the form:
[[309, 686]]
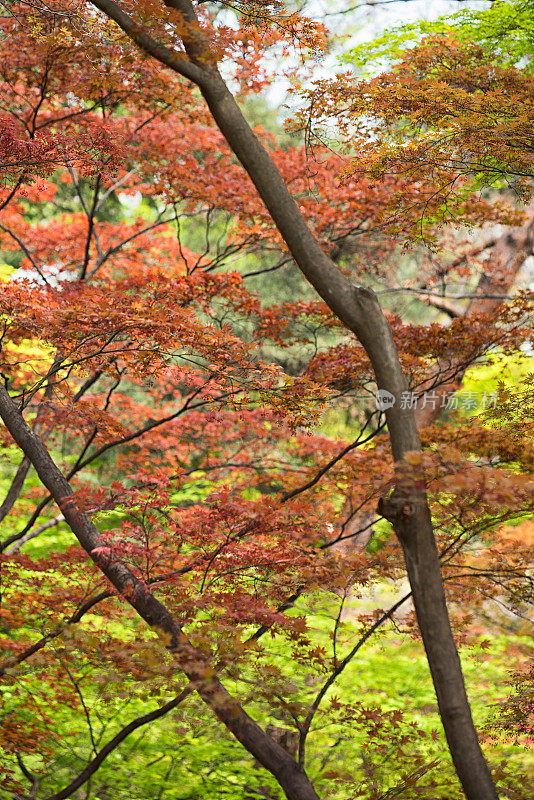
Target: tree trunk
[[191, 661], [410, 517], [359, 309]]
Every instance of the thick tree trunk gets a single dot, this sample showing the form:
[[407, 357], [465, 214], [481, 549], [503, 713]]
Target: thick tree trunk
[[359, 309]]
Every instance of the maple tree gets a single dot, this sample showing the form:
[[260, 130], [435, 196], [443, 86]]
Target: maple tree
[[202, 500]]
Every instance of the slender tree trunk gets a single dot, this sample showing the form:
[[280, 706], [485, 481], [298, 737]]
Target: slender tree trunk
[[191, 661], [24, 467], [408, 510], [409, 514]]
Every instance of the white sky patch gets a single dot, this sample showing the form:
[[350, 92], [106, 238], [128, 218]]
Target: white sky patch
[[130, 201], [362, 25]]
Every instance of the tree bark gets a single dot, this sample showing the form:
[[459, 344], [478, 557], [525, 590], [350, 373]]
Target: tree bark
[[410, 516]]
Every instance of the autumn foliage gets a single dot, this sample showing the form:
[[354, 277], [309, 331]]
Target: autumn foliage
[[192, 409]]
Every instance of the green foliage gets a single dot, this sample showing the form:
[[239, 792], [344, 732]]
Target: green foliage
[[379, 718], [482, 381], [505, 28]]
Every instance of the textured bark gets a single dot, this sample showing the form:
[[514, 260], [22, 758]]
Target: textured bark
[[409, 514], [24, 467], [15, 488]]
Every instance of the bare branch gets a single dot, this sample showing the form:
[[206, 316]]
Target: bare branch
[[132, 726]]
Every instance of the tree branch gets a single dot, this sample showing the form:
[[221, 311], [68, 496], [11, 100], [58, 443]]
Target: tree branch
[[108, 748], [149, 45], [191, 661]]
